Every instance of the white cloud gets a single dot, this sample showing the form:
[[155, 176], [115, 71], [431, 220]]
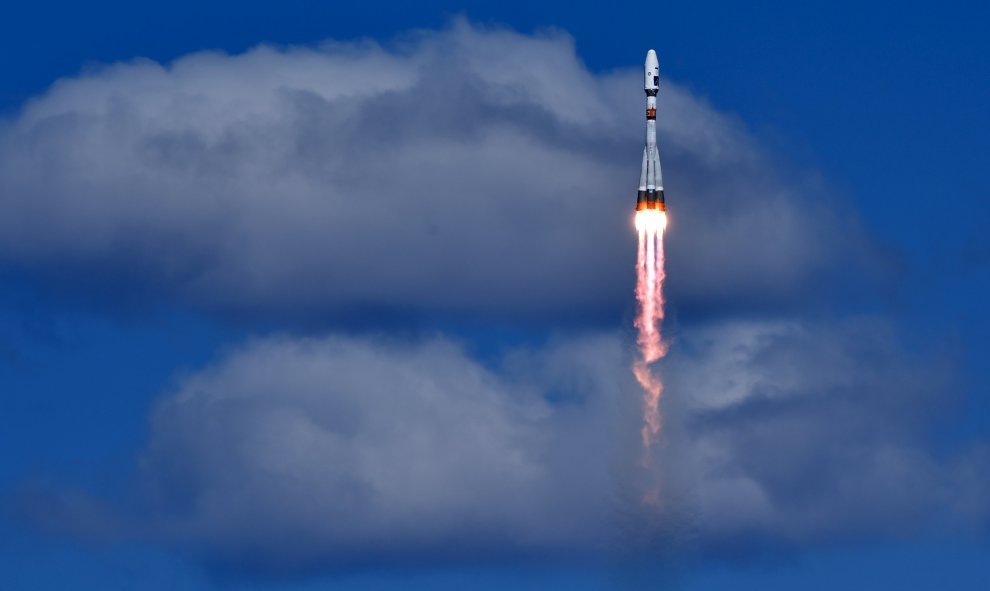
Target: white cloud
[[345, 451], [463, 171], [804, 432]]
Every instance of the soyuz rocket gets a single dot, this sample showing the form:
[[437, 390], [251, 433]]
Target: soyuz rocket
[[650, 194]]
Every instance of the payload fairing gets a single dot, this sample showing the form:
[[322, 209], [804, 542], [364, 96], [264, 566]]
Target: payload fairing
[[651, 180]]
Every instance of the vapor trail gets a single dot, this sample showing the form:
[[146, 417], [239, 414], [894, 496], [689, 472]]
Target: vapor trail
[[649, 297]]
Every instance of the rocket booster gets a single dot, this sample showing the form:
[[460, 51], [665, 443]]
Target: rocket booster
[[650, 194]]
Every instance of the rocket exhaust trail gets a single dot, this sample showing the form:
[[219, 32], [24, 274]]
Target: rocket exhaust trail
[[651, 221], [649, 297]]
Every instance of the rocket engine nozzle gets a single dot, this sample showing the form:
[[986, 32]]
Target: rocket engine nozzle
[[647, 200]]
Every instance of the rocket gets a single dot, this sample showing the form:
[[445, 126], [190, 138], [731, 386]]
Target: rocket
[[650, 194]]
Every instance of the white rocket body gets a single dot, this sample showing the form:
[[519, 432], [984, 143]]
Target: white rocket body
[[650, 194]]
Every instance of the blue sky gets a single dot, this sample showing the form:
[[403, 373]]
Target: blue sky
[[190, 270]]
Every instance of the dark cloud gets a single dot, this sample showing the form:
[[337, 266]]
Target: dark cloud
[[463, 172]]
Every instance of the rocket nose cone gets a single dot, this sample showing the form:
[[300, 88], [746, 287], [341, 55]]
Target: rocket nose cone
[[652, 70]]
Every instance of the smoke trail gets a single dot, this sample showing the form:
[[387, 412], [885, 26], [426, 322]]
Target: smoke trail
[[649, 297]]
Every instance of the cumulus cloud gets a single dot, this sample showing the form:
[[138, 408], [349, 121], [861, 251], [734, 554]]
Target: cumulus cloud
[[340, 452], [464, 171], [344, 450]]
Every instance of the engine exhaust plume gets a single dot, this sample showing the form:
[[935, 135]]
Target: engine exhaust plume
[[650, 224]]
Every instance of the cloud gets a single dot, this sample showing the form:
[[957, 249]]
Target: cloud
[[807, 433], [344, 452], [467, 171]]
